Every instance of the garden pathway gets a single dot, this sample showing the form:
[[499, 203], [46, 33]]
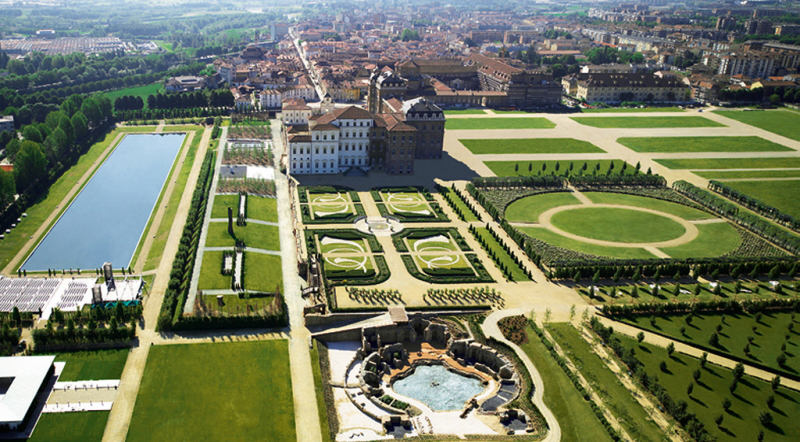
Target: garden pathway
[[661, 341], [150, 235]]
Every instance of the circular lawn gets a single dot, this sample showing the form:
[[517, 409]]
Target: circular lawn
[[617, 224]]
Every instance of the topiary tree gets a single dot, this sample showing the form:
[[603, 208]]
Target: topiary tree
[[670, 349], [640, 337]]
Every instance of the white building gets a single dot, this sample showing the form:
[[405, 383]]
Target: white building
[[22, 378], [752, 64], [295, 113], [7, 123], [269, 99]]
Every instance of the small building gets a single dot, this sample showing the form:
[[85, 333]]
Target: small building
[[185, 84], [7, 123], [22, 379]]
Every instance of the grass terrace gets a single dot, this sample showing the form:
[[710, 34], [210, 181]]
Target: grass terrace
[[702, 144], [530, 146], [730, 163], [254, 235], [498, 123], [191, 392], [92, 365], [262, 272], [617, 225], [465, 112], [783, 195], [781, 122], [646, 122], [579, 167], [211, 277]]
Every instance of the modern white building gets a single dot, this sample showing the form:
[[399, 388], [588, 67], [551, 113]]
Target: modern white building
[[22, 378]]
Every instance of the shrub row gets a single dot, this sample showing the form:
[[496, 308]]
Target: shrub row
[[718, 306], [450, 195], [546, 181], [379, 275], [182, 266], [49, 337], [731, 211], [497, 259], [337, 218], [592, 181], [755, 205]]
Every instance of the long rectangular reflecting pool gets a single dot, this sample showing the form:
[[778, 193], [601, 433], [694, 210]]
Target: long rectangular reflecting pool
[[107, 219]]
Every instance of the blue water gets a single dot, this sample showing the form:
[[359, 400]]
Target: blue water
[[438, 387], [106, 220]]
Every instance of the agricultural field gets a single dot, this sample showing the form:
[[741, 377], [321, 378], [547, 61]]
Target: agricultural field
[[646, 122], [187, 388], [782, 195], [561, 168], [781, 122], [530, 146], [748, 399], [730, 163], [754, 338], [498, 123], [702, 144]]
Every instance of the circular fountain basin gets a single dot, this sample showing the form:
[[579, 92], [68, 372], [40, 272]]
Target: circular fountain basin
[[438, 387]]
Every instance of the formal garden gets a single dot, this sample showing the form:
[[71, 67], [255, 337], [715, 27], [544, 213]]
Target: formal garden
[[440, 256], [329, 205], [529, 146], [562, 168], [348, 257], [708, 401], [408, 204], [216, 392]]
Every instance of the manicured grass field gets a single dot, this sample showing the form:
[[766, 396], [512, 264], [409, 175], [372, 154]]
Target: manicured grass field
[[262, 208], [499, 123], [221, 204], [580, 246], [160, 241], [320, 211], [532, 168], [254, 235], [781, 122], [645, 122], [92, 365], [517, 273], [528, 209], [628, 110], [46, 204], [631, 415], [730, 163], [702, 144], [668, 287], [211, 277], [331, 263], [222, 392], [783, 195], [437, 263], [462, 205], [87, 426], [262, 272], [676, 209], [137, 91], [770, 334], [530, 145], [575, 417], [733, 174], [619, 225], [465, 112], [713, 240], [318, 387], [748, 400], [236, 305]]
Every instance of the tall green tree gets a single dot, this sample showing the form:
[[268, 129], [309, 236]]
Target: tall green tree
[[30, 165]]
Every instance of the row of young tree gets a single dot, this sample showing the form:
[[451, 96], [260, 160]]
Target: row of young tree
[[731, 211], [755, 205], [212, 98]]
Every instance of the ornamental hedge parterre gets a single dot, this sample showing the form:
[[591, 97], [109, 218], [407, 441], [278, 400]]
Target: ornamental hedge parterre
[[452, 232]]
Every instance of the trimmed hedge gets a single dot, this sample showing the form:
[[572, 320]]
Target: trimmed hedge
[[337, 218], [438, 215], [379, 275], [755, 205], [417, 233], [479, 275], [311, 245]]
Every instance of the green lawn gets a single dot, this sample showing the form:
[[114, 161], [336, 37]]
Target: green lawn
[[645, 122], [534, 168], [221, 204], [767, 339], [465, 112], [785, 123], [668, 287], [628, 110], [87, 426], [528, 209], [46, 204], [211, 277], [136, 91], [254, 235], [318, 387], [461, 204], [748, 400], [160, 241], [530, 146], [442, 261], [702, 144], [575, 417], [619, 225], [676, 209], [631, 415], [733, 174], [517, 273], [783, 195], [262, 208], [580, 246], [92, 365], [350, 246], [262, 273], [730, 163], [713, 240], [427, 245], [499, 123], [231, 391]]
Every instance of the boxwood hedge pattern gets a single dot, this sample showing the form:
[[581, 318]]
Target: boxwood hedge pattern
[[456, 276], [417, 233], [347, 234], [379, 275]]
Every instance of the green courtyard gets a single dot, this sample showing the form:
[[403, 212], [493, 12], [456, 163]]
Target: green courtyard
[[222, 392]]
